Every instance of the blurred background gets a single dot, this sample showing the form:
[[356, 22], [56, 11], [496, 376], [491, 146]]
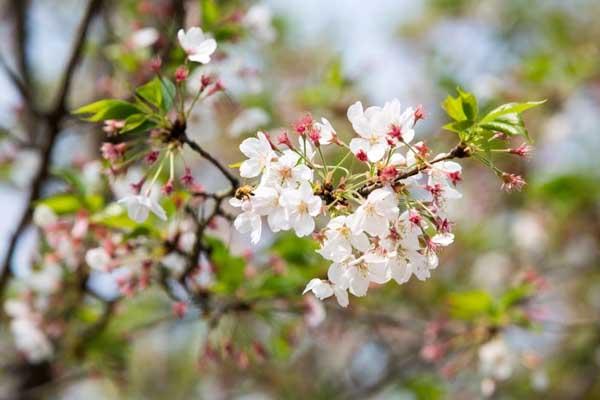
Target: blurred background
[[513, 311]]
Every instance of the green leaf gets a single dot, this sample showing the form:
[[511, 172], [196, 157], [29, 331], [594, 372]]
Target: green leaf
[[504, 127], [458, 126], [151, 92], [210, 14], [107, 109], [64, 203], [470, 305], [469, 104], [229, 268], [454, 109], [168, 94], [461, 108], [510, 108], [160, 93]]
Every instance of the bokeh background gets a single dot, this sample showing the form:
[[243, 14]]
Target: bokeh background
[[423, 340]]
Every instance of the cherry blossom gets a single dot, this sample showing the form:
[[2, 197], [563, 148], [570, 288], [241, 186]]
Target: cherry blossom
[[259, 153], [302, 206], [197, 46], [139, 207]]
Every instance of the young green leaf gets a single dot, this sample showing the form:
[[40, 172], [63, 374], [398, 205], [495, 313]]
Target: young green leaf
[[107, 109], [510, 108]]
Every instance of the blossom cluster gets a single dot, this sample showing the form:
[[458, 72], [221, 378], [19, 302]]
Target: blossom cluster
[[385, 221]]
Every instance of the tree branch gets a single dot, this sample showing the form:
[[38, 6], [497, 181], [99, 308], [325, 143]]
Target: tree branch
[[54, 121]]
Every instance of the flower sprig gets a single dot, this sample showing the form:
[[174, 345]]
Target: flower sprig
[[385, 219]]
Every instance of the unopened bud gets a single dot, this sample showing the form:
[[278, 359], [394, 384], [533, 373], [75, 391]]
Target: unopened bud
[[181, 74]]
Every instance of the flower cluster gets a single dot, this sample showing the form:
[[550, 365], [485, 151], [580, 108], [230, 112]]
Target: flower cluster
[[386, 221]]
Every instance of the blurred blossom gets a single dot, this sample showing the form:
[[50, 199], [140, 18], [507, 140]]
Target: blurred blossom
[[491, 271], [249, 121], [258, 19], [528, 233], [25, 167], [497, 360], [570, 142], [488, 56], [369, 364], [144, 37]]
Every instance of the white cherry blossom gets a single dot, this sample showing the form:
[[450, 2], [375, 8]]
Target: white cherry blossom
[[286, 171], [372, 141], [197, 46], [259, 153], [324, 289], [139, 207], [266, 201], [302, 206], [326, 131], [247, 221], [375, 214], [339, 240], [393, 121]]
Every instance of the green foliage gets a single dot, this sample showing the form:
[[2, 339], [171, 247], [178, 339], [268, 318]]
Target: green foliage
[[464, 110], [107, 109], [153, 100], [160, 93], [229, 268], [426, 387], [67, 203], [478, 304], [462, 107], [470, 305], [568, 193]]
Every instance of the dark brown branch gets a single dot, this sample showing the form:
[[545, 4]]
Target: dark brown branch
[[54, 121], [17, 82], [19, 10]]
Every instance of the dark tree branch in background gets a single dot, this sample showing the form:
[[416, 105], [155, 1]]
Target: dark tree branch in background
[[19, 9], [53, 124]]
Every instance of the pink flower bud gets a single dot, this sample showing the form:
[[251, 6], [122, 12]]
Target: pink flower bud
[[112, 126], [217, 87], [422, 149], [112, 152], [152, 156], [419, 113], [187, 179], [512, 182], [181, 74], [304, 124], [522, 151], [205, 80], [388, 174], [167, 188], [315, 136], [284, 139], [179, 309], [156, 64]]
